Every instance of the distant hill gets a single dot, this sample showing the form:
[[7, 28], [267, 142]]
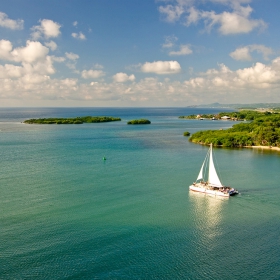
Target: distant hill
[[240, 106]]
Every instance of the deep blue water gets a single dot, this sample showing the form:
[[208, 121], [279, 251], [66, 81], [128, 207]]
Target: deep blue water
[[67, 214]]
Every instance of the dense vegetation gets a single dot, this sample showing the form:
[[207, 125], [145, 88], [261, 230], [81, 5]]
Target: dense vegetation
[[239, 116], [263, 130], [186, 133], [141, 121], [77, 120]]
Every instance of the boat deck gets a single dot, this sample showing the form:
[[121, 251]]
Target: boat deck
[[209, 189]]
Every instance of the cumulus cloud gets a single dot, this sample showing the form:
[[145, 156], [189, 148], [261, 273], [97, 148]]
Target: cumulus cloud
[[32, 52], [6, 22], [75, 23], [123, 77], [241, 54], [36, 66], [5, 50], [234, 22], [161, 67], [184, 50], [10, 71], [47, 29], [244, 53], [220, 84], [72, 56], [87, 74], [52, 45], [172, 13], [79, 36], [258, 76]]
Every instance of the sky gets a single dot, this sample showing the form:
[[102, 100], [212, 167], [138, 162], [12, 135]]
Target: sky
[[138, 53]]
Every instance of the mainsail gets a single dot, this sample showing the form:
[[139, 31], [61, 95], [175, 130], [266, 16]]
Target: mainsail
[[213, 178]]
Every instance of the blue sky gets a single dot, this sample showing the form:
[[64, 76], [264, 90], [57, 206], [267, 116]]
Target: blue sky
[[138, 53]]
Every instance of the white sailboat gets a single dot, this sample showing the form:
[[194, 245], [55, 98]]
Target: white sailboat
[[213, 185]]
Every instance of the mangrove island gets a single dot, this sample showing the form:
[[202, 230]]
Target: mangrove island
[[77, 120], [141, 121]]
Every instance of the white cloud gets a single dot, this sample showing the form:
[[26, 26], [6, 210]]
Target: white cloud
[[47, 28], [35, 68], [232, 23], [257, 77], [5, 50], [244, 53], [193, 16], [75, 23], [169, 41], [241, 54], [265, 51], [10, 71], [232, 2], [237, 21], [221, 84], [58, 58], [44, 66], [79, 35], [172, 13], [72, 56], [184, 50], [87, 74], [52, 45], [10, 23], [123, 77], [161, 67], [33, 51]]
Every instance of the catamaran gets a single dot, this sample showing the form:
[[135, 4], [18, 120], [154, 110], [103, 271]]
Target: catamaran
[[213, 185]]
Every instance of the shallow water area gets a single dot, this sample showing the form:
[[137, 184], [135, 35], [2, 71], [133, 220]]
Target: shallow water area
[[65, 213]]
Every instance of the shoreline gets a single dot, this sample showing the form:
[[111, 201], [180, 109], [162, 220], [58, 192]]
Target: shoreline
[[271, 148], [264, 148]]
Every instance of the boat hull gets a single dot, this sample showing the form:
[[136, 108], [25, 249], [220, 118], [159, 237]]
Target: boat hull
[[208, 191]]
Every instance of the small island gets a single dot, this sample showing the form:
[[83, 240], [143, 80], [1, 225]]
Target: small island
[[261, 129], [186, 133], [77, 120], [141, 121]]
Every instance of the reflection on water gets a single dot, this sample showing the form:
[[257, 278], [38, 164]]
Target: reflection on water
[[208, 215]]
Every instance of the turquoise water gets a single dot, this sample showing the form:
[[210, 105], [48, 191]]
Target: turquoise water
[[67, 214]]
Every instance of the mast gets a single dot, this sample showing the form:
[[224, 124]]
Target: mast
[[213, 178]]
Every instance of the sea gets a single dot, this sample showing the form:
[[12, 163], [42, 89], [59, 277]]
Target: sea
[[66, 213]]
